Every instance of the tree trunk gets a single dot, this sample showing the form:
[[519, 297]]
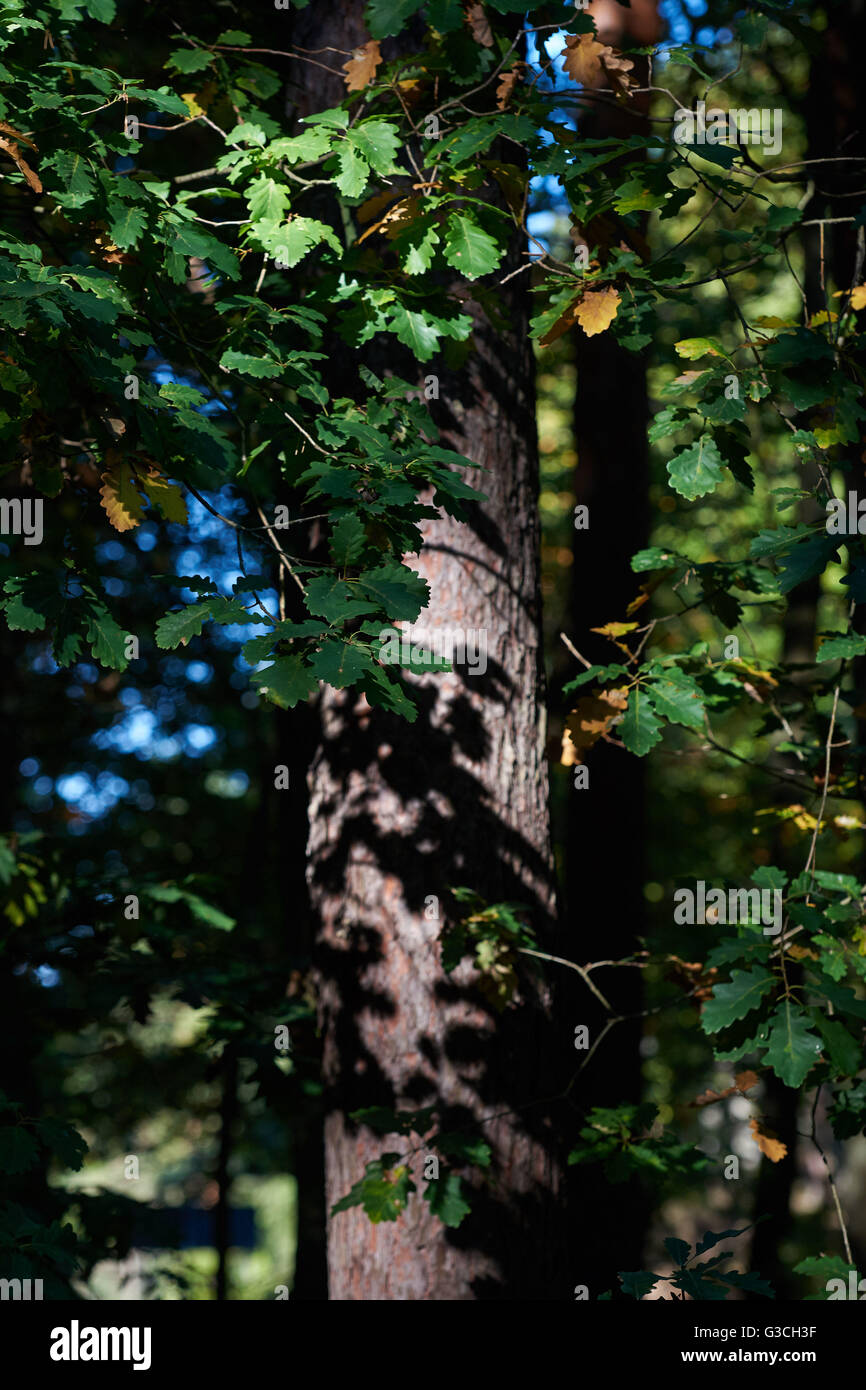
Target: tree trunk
[[611, 479], [399, 815]]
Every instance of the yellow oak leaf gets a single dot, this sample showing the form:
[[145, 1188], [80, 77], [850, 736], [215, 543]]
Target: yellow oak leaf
[[120, 497], [614, 629], [597, 310], [193, 104], [361, 67], [165, 496]]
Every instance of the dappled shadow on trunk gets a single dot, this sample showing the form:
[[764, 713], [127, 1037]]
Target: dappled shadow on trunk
[[411, 821]]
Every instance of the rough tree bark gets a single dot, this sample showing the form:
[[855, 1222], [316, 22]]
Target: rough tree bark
[[400, 814]]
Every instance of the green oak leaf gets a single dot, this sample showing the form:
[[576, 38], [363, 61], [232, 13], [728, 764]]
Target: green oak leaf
[[286, 682], [347, 539], [640, 730], [444, 1196], [468, 248], [106, 637], [126, 223], [387, 17], [398, 590], [377, 142], [382, 1192], [696, 470], [412, 328], [233, 361], [353, 171], [793, 1048], [340, 664], [678, 697], [637, 1283], [736, 998]]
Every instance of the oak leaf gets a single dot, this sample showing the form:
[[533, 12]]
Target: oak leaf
[[480, 26], [597, 310], [507, 83], [586, 60], [9, 144], [618, 70], [771, 1147], [592, 716], [614, 629], [165, 496], [120, 496], [399, 216], [361, 67], [743, 1081], [709, 1097], [582, 59]]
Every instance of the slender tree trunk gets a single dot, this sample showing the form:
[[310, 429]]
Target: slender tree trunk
[[222, 1211]]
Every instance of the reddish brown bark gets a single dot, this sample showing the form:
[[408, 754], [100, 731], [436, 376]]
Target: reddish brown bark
[[402, 813]]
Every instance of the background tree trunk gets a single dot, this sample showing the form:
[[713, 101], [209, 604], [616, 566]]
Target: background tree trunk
[[612, 480]]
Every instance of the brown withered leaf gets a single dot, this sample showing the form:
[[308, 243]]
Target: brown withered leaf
[[412, 90], [361, 67], [480, 26], [582, 59], [506, 85], [586, 60], [771, 1147], [802, 952], [8, 129], [9, 144], [398, 216], [597, 310], [743, 1081], [618, 70], [709, 1097], [591, 717], [692, 976], [372, 206]]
